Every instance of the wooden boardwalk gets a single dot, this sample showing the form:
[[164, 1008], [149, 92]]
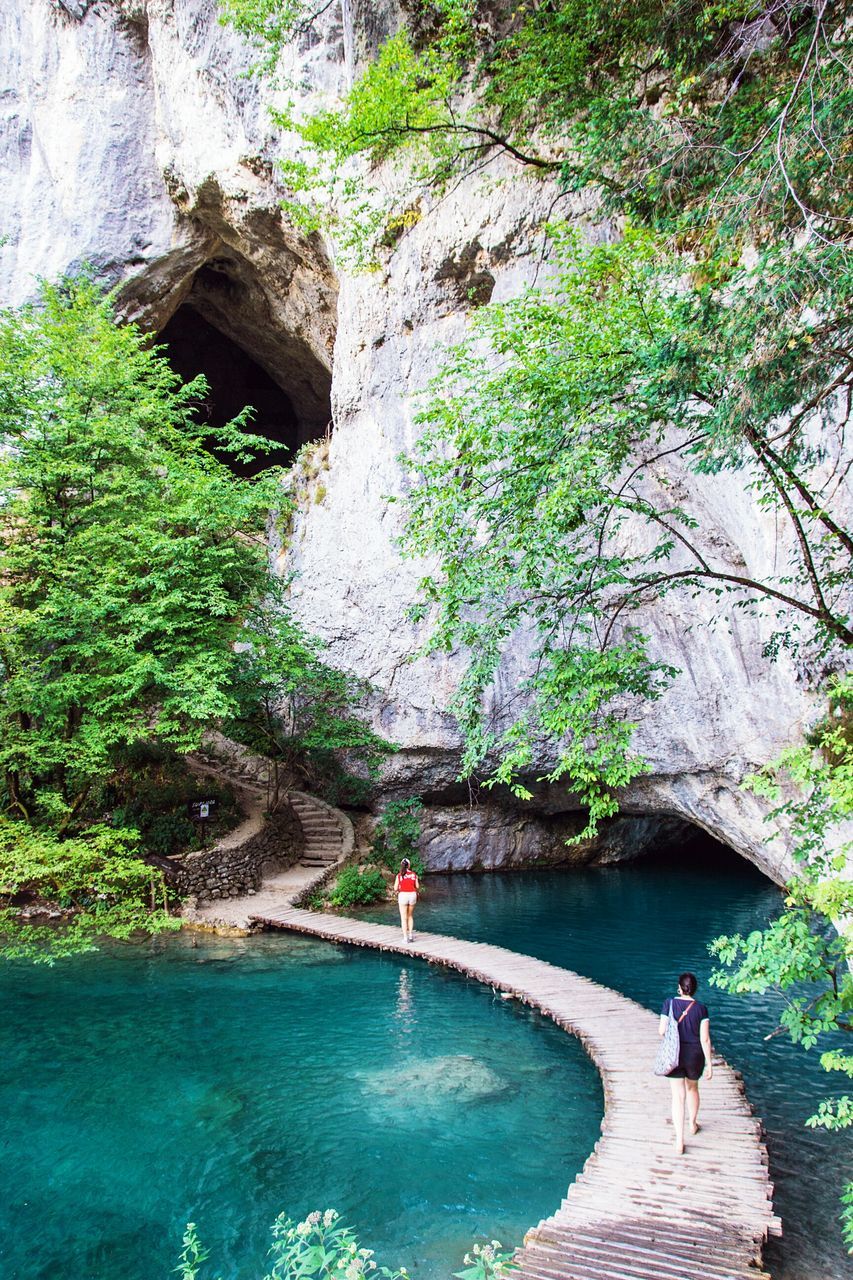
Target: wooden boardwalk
[[637, 1211]]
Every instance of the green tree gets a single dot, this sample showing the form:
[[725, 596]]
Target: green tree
[[96, 878], [719, 329], [134, 592], [128, 559], [806, 954], [545, 435]]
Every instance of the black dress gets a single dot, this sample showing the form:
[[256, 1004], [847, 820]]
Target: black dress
[[691, 1056]]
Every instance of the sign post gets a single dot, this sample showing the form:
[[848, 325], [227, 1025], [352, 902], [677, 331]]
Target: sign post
[[201, 811]]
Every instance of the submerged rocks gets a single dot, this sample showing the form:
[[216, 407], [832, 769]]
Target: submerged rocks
[[434, 1083]]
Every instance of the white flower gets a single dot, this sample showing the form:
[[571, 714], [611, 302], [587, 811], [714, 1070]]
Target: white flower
[[329, 1217]]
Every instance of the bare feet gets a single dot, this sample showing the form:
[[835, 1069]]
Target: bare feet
[[694, 1128], [679, 1148]]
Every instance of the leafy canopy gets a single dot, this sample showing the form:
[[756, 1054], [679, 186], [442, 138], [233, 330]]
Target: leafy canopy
[[96, 877], [137, 610], [540, 490], [719, 329], [807, 953], [128, 558]]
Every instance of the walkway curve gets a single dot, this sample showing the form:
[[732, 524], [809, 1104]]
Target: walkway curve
[[637, 1211]]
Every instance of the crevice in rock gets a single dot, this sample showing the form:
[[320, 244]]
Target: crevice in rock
[[489, 836]]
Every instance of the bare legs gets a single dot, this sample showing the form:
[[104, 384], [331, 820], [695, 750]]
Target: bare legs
[[407, 922], [684, 1091], [678, 1092]]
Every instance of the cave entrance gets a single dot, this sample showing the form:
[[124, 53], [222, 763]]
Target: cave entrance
[[226, 329], [234, 380]]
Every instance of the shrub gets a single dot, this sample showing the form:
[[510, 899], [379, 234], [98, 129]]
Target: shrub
[[322, 1248], [397, 835], [358, 888], [98, 876]]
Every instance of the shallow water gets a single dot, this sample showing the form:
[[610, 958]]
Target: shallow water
[[153, 1084], [635, 927]]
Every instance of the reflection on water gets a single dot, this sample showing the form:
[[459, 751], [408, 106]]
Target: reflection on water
[[635, 927], [225, 1081]]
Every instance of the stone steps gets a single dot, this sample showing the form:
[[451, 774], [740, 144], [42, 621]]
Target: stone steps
[[322, 832]]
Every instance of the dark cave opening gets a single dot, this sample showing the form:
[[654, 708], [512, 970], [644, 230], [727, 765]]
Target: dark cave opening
[[235, 380]]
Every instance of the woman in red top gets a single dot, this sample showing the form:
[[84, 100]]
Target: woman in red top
[[406, 888]]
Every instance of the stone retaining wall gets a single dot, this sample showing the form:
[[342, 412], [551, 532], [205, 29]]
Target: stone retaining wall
[[231, 873]]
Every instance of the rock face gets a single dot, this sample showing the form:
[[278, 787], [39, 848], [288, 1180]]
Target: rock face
[[459, 838], [133, 140]]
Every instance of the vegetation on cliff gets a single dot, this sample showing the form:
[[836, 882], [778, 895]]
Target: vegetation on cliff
[[138, 611], [704, 327]]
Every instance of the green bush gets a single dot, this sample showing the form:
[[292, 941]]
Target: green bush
[[151, 792], [397, 835], [97, 876], [358, 888], [323, 1248]]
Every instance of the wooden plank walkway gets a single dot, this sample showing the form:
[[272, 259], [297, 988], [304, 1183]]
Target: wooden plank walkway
[[637, 1211]]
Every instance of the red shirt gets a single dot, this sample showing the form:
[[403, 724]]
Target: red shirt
[[407, 883]]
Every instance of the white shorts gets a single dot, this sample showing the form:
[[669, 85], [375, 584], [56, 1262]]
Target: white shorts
[[408, 898]]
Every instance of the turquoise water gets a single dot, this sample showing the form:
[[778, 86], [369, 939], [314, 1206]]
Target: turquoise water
[[157, 1083], [153, 1084], [635, 927]]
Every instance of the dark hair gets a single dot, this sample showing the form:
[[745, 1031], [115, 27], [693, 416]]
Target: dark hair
[[405, 866], [688, 983]]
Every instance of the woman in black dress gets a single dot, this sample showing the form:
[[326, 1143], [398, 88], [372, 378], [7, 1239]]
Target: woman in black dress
[[694, 1036]]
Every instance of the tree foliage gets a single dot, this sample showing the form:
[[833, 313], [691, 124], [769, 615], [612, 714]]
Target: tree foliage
[[806, 954], [128, 558], [96, 878], [541, 489], [718, 329], [134, 592]]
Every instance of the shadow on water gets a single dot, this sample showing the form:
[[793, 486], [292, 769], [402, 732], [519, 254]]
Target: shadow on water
[[635, 926]]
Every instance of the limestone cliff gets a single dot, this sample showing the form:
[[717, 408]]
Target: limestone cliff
[[133, 140]]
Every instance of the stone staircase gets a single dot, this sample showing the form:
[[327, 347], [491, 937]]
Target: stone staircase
[[327, 832], [328, 839]]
